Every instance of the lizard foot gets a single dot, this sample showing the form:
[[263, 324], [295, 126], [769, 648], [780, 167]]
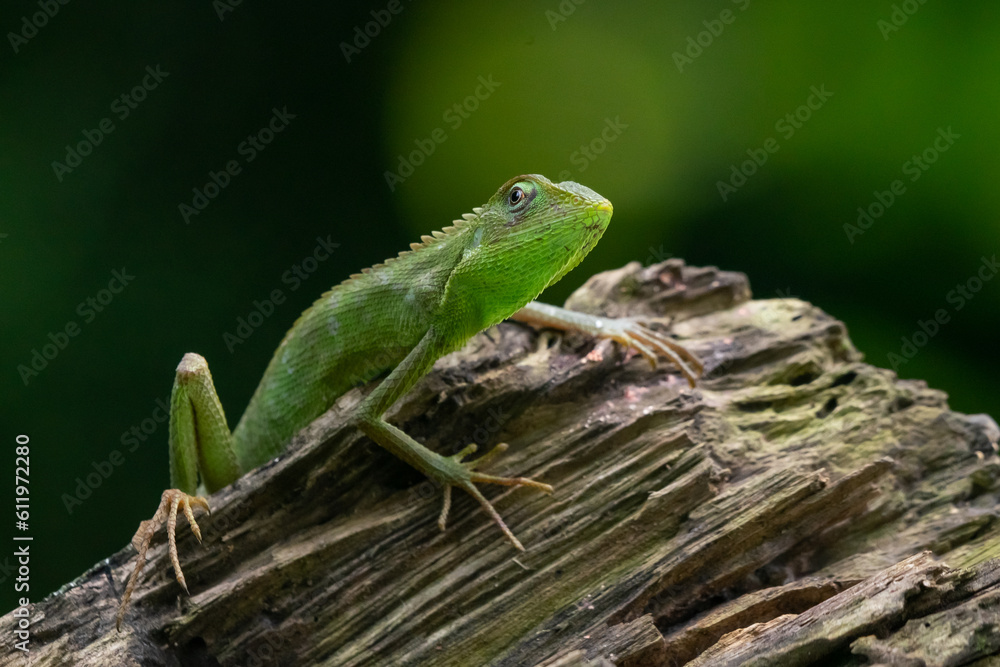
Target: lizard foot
[[468, 484], [636, 332], [170, 502]]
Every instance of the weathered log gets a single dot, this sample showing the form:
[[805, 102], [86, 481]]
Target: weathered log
[[781, 513]]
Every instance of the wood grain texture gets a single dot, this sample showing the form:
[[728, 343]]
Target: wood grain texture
[[798, 506]]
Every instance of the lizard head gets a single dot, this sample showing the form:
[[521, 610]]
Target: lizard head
[[528, 235], [538, 223]]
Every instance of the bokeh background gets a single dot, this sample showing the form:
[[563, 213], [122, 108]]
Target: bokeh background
[[649, 103]]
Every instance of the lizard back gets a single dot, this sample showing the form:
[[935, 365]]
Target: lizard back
[[354, 332]]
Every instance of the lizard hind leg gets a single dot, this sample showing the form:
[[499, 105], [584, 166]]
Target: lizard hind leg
[[201, 447], [170, 502]]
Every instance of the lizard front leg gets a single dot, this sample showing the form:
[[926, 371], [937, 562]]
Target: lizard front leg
[[200, 443], [629, 331], [449, 471]]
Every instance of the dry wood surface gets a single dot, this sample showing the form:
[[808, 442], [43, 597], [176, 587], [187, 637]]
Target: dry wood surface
[[798, 507]]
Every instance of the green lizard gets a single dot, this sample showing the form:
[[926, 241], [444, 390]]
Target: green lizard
[[398, 316]]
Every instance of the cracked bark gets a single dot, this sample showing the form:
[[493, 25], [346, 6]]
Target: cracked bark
[[798, 506]]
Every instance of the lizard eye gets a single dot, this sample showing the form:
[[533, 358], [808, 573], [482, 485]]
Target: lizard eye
[[516, 196]]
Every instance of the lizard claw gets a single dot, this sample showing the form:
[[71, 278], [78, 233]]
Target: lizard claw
[[170, 502], [636, 332], [471, 478]]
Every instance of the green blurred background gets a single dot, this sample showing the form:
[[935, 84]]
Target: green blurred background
[[661, 133]]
